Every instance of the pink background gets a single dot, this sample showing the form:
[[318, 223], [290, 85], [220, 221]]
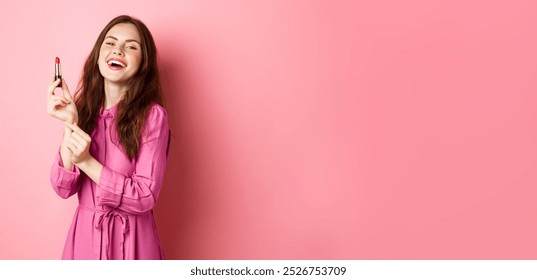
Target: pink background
[[302, 129]]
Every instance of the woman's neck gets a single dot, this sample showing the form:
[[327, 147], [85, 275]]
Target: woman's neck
[[113, 93]]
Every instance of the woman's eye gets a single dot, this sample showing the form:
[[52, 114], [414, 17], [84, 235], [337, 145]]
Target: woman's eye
[[109, 43], [132, 47]]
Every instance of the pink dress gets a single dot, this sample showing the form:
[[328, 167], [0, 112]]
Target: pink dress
[[114, 219]]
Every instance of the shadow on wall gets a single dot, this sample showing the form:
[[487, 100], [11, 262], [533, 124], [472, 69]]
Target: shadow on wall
[[175, 211]]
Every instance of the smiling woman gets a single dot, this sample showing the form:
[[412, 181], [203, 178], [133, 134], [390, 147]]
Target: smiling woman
[[123, 39], [114, 149]]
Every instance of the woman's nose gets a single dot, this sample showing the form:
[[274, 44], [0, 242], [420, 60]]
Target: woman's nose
[[117, 52]]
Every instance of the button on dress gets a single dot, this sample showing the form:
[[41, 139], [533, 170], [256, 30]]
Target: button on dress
[[114, 219]]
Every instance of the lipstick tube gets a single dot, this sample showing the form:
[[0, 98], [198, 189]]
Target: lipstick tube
[[58, 71]]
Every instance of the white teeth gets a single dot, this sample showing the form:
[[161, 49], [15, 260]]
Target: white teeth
[[116, 63]]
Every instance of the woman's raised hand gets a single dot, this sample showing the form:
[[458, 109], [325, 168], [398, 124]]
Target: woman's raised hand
[[61, 107]]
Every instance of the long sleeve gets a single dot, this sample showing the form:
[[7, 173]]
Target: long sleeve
[[64, 181], [138, 193]]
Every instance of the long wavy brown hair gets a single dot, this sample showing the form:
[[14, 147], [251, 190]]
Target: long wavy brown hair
[[143, 90]]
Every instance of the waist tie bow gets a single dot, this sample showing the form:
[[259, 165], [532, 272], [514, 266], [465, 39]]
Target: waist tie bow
[[106, 224]]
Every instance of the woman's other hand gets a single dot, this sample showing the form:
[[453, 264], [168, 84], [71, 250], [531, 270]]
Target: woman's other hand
[[79, 143]]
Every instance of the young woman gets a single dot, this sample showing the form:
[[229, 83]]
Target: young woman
[[114, 149]]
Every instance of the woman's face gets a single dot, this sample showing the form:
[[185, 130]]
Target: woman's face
[[120, 55]]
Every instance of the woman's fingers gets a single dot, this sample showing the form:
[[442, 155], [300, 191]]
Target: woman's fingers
[[55, 97], [75, 152], [52, 87], [71, 147], [78, 130], [79, 141], [65, 89], [53, 105], [75, 143], [56, 103]]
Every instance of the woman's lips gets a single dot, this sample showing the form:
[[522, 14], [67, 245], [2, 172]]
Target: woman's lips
[[116, 64]]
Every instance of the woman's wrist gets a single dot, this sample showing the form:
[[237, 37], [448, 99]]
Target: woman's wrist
[[91, 167], [83, 164], [72, 120]]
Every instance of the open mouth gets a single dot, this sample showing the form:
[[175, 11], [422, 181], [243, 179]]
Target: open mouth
[[116, 64]]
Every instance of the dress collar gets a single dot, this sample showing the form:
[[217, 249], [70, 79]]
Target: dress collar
[[110, 111]]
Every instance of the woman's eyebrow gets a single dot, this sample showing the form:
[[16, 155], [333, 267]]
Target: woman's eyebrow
[[128, 40]]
